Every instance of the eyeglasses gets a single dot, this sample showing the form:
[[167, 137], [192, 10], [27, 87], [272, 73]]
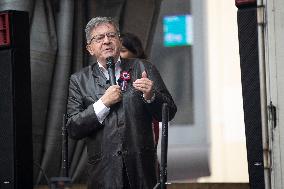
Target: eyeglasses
[[99, 38]]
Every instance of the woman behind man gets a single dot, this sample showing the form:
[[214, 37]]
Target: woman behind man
[[132, 48]]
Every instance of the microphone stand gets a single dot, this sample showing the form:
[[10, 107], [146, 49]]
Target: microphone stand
[[65, 165], [164, 145], [164, 148], [64, 181]]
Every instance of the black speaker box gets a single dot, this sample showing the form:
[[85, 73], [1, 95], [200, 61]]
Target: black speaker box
[[16, 163], [248, 49]]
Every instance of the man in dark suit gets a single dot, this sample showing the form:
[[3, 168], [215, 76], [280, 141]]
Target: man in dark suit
[[116, 120]]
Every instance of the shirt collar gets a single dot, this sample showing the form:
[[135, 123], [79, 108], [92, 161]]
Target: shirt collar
[[117, 68], [117, 64]]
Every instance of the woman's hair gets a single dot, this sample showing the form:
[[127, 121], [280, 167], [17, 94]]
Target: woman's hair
[[133, 44]]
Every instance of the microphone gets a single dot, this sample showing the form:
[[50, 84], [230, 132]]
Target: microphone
[[111, 70]]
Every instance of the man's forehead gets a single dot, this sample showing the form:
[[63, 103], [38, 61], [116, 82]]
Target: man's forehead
[[103, 27]]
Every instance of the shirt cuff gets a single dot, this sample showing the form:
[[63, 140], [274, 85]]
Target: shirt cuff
[[101, 110]]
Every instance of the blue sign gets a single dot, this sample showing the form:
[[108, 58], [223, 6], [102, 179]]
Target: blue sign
[[178, 30]]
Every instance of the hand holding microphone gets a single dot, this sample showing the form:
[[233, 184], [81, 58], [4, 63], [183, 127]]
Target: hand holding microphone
[[112, 96], [113, 93]]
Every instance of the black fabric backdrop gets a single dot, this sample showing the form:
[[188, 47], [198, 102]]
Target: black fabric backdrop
[[58, 50]]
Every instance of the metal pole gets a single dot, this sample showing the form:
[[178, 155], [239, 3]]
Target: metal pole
[[65, 165], [164, 145], [263, 94]]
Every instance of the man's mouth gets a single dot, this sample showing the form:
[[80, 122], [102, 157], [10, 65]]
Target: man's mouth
[[108, 49]]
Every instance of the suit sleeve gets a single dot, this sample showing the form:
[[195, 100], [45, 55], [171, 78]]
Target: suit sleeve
[[82, 121], [162, 94]]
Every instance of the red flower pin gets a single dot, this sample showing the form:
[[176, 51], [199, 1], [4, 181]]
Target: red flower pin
[[125, 76], [124, 79]]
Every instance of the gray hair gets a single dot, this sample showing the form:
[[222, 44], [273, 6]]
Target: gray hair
[[96, 21]]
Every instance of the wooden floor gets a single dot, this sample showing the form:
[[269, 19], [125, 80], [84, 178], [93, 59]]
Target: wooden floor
[[184, 186], [209, 186]]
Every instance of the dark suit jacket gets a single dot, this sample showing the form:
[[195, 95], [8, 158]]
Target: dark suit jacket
[[125, 138]]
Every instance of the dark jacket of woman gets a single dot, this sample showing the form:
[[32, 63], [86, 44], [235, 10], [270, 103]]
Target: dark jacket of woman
[[125, 137]]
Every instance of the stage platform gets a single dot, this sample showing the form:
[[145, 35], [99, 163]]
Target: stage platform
[[183, 186]]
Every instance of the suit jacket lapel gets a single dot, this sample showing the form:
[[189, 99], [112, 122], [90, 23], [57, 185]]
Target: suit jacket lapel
[[126, 65], [100, 81]]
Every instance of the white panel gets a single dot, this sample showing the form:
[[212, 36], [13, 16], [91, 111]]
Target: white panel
[[275, 83]]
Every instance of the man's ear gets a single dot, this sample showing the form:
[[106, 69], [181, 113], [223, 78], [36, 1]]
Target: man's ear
[[89, 48]]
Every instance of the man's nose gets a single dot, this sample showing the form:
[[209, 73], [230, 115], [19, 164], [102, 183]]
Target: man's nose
[[106, 39]]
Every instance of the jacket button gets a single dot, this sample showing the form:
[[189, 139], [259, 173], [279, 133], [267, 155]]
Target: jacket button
[[119, 152]]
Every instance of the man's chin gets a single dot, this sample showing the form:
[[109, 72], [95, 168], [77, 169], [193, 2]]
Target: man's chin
[[106, 55]]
